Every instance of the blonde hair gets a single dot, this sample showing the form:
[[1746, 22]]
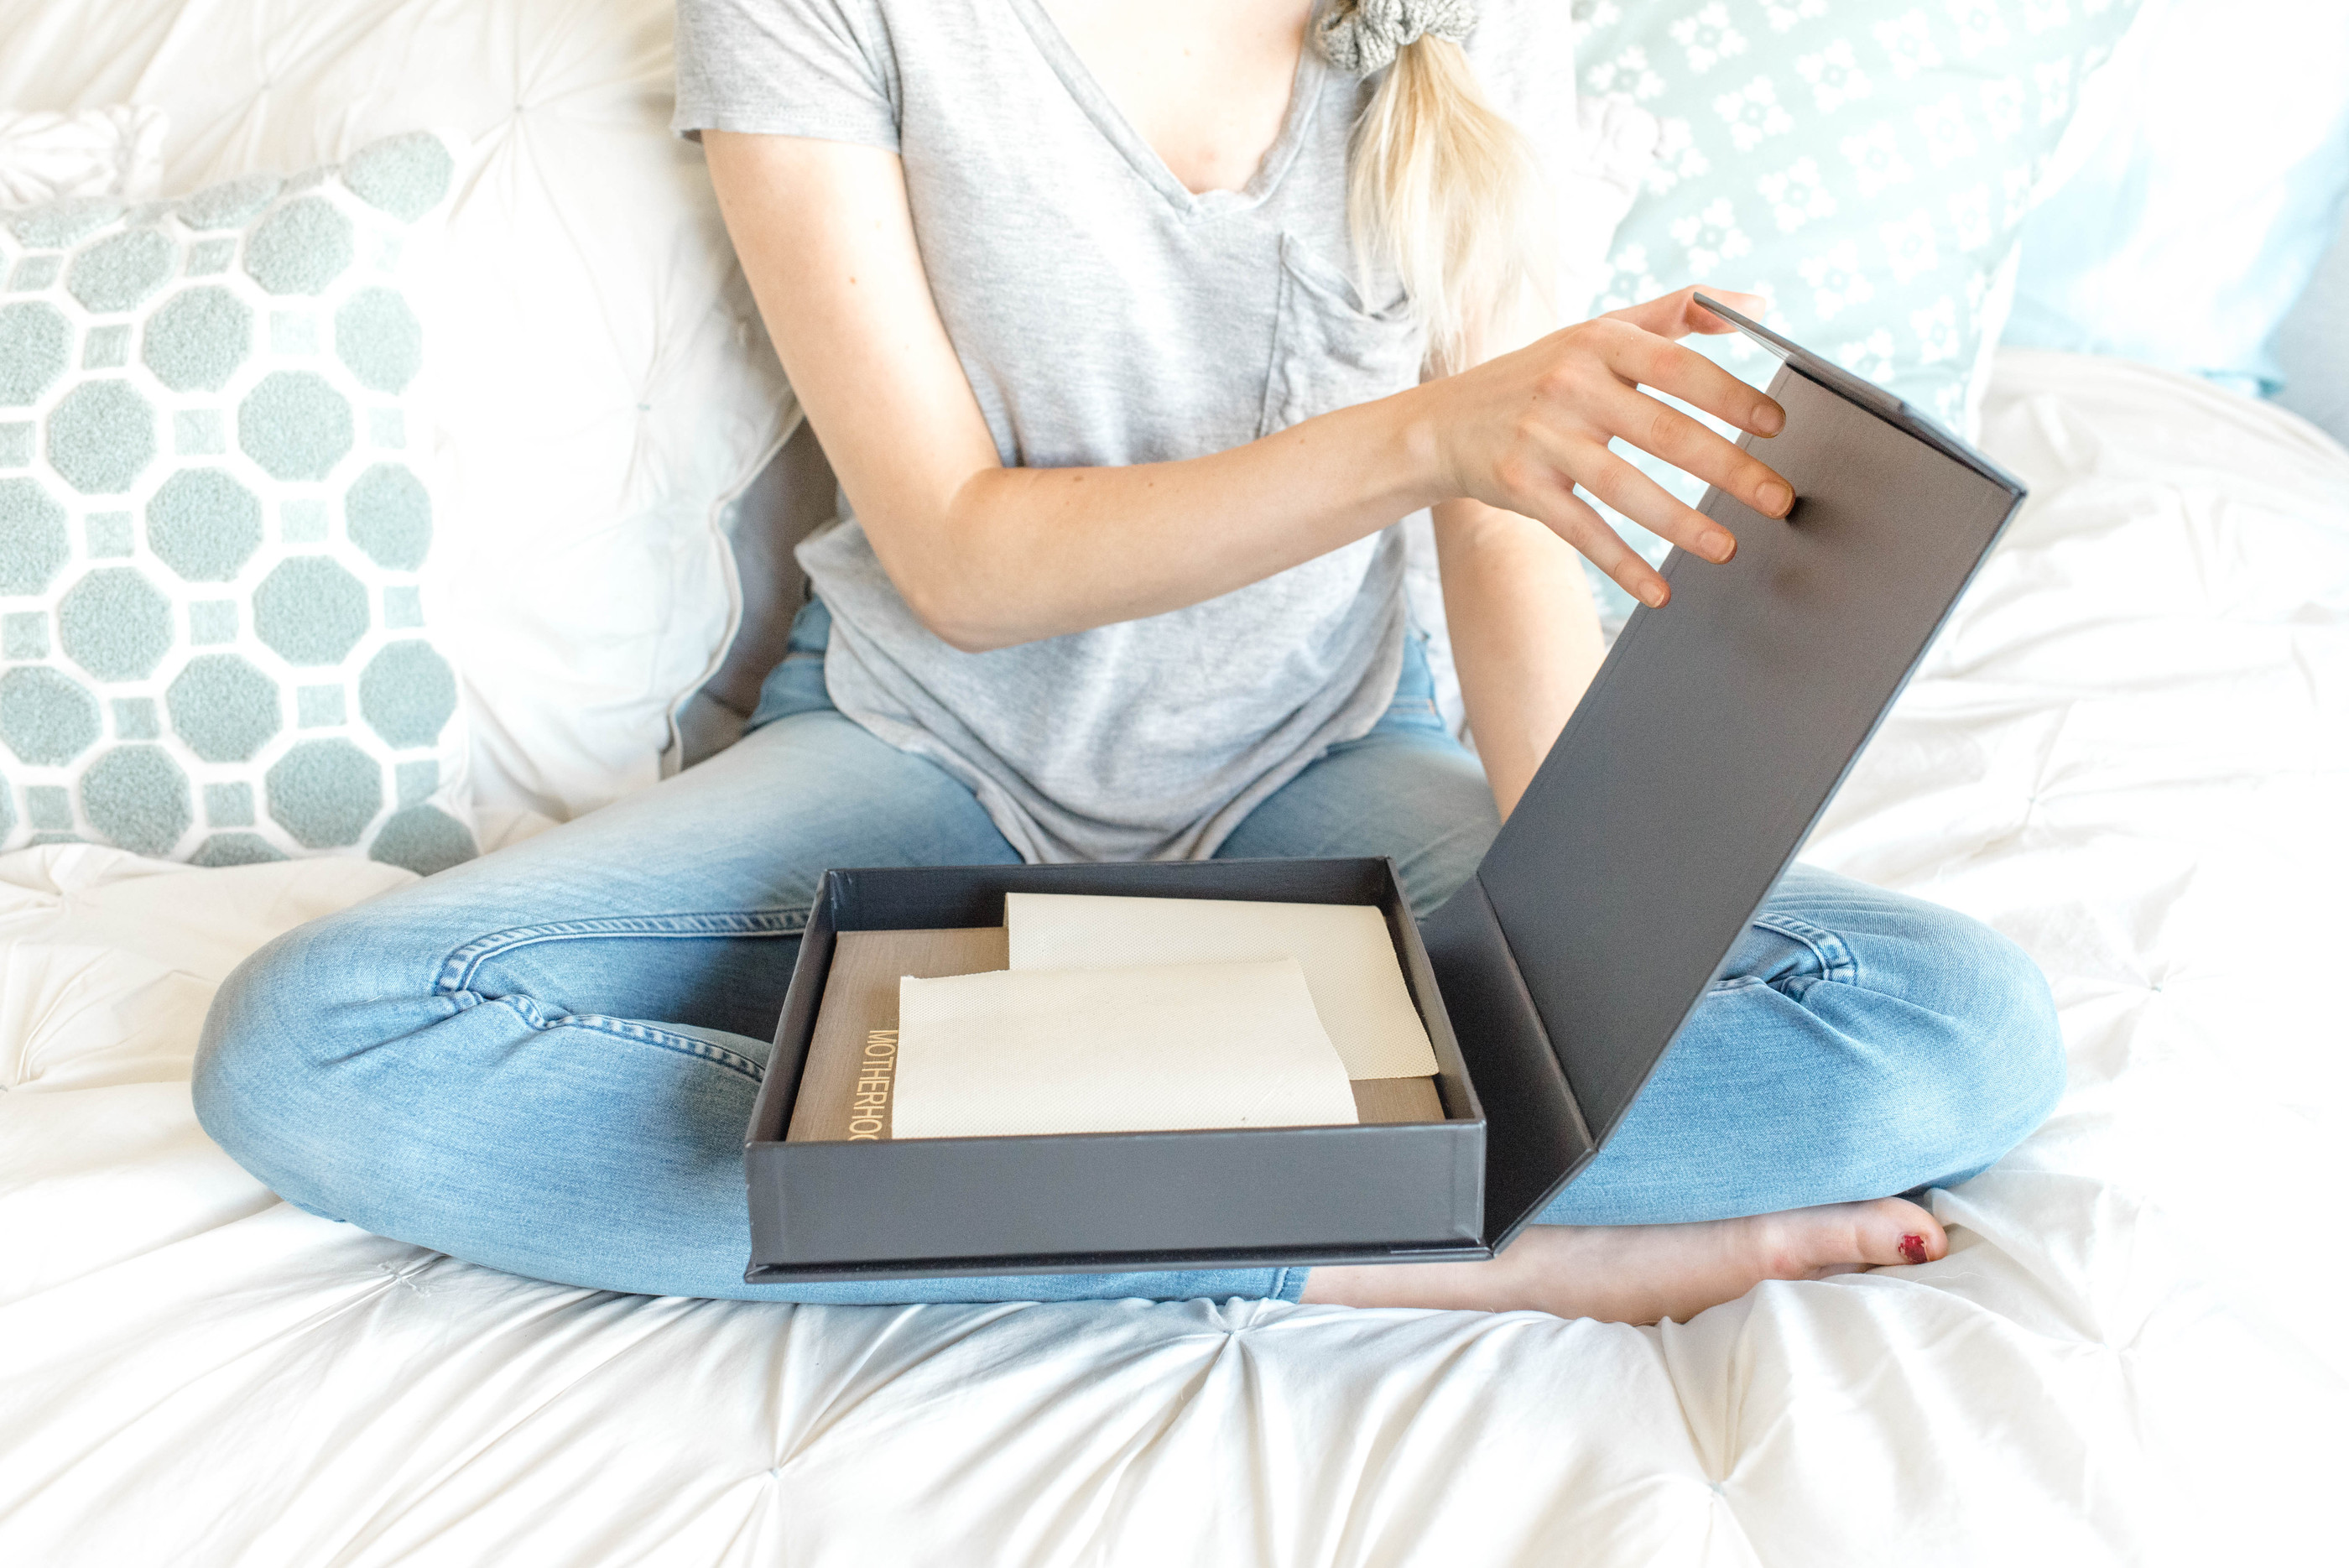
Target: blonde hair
[[1444, 189]]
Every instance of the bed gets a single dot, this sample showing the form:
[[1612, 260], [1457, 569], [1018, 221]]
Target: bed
[[2128, 752]]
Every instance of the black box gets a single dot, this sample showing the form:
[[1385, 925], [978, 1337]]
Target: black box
[[1210, 1199], [1551, 984]]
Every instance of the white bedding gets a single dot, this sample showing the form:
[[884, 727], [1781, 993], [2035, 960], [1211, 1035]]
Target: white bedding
[[2130, 755]]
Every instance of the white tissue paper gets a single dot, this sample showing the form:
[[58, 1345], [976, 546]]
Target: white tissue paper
[[1151, 1049], [1348, 958]]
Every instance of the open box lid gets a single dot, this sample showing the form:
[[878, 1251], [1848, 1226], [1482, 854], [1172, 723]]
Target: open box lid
[[1695, 767]]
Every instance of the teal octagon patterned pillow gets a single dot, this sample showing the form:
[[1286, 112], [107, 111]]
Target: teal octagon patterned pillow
[[214, 522]]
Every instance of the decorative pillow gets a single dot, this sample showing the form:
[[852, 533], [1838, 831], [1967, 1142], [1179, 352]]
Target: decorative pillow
[[2184, 239], [213, 522], [1863, 166], [599, 368]]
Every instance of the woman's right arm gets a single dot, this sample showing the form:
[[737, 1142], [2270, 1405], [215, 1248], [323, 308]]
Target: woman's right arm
[[989, 556]]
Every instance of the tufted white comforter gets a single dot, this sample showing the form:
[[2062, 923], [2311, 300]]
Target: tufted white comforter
[[2130, 755]]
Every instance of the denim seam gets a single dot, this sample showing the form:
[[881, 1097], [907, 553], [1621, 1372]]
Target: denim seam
[[628, 1029], [1833, 954], [457, 970]]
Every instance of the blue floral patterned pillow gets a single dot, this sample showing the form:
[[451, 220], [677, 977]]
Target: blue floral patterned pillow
[[1864, 165]]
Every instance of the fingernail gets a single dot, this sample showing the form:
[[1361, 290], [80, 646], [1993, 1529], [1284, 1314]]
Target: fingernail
[[1912, 1246], [1721, 546], [1775, 498], [1652, 595], [1768, 419]]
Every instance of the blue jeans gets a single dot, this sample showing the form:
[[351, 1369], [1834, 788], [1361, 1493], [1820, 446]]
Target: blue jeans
[[544, 1060]]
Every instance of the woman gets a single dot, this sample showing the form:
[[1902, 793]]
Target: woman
[[1131, 332]]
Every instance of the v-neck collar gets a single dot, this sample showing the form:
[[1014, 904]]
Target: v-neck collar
[[1304, 100]]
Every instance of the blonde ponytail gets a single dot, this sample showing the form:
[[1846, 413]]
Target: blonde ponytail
[[1441, 187]]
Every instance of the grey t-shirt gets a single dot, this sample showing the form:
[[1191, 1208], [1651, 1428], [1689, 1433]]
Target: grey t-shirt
[[1104, 314]]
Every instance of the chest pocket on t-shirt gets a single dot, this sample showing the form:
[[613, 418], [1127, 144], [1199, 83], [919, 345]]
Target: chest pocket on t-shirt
[[1327, 352]]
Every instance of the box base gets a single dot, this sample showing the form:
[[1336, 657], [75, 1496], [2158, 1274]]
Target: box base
[[876, 1207]]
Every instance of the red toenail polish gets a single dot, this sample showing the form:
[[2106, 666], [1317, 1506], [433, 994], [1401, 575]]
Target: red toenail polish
[[1912, 1246]]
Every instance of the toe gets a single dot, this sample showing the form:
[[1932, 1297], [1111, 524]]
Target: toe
[[1839, 1238], [1893, 1231]]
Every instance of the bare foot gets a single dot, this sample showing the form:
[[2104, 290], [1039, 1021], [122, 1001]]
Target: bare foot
[[1644, 1273]]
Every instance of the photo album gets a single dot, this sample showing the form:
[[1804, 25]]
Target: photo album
[[1226, 1063]]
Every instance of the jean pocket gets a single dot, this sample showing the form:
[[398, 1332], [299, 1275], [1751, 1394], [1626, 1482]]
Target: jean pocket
[[797, 684], [1413, 706]]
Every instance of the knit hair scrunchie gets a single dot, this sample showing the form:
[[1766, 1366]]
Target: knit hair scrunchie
[[1359, 37]]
